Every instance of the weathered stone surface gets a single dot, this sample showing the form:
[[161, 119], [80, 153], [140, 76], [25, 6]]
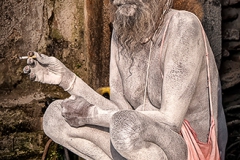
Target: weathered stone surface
[[232, 2], [232, 23], [225, 2], [98, 35], [230, 74], [236, 57], [48, 26], [225, 53], [232, 45], [231, 34], [212, 24], [229, 14], [6, 144], [22, 146], [21, 25]]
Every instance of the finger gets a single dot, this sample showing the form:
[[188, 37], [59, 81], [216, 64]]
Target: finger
[[30, 61], [32, 76], [26, 70], [42, 58], [30, 53]]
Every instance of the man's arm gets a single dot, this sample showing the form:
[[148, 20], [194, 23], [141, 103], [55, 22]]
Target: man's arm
[[93, 108], [181, 60], [182, 63]]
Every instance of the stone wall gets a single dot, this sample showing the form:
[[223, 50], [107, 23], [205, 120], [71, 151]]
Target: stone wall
[[231, 43], [212, 26], [97, 42], [76, 32], [53, 27], [230, 74]]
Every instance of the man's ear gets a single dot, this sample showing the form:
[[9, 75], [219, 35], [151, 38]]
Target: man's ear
[[193, 6]]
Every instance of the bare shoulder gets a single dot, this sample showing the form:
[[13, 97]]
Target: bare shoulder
[[193, 6], [184, 21], [184, 16]]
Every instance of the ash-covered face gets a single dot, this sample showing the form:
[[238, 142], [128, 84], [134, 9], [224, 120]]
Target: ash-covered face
[[135, 21]]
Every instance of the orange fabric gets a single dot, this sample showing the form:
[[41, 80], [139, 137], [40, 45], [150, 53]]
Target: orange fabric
[[198, 150]]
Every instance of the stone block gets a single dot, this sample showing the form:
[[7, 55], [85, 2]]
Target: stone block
[[212, 24], [232, 46], [225, 2], [236, 57], [230, 74], [231, 34], [229, 14], [225, 53], [6, 144], [233, 2], [18, 121]]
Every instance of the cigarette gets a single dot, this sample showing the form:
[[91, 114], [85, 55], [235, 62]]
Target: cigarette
[[26, 57]]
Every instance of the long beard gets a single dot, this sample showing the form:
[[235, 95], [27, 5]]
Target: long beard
[[132, 31]]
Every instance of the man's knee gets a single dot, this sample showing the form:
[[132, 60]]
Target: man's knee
[[125, 131], [52, 120]]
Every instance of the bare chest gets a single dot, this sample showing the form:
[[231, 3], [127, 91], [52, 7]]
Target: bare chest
[[141, 78]]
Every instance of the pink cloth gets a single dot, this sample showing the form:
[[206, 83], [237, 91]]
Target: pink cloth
[[198, 150]]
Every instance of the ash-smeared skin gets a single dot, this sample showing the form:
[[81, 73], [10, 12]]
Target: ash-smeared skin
[[49, 70], [77, 111], [138, 131]]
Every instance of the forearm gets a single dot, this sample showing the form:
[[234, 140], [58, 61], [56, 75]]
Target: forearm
[[162, 118], [80, 88], [102, 117], [77, 111]]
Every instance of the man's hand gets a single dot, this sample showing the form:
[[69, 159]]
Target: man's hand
[[49, 70], [77, 111]]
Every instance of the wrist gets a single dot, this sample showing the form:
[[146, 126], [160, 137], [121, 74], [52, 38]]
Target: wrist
[[68, 80], [71, 84]]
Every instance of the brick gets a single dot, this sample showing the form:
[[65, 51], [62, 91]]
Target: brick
[[231, 34], [28, 142], [229, 14], [230, 74], [236, 57], [232, 46], [225, 53], [233, 2], [6, 144], [225, 3]]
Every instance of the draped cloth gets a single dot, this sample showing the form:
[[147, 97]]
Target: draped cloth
[[198, 150]]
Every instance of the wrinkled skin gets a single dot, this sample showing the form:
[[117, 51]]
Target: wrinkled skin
[[131, 125]]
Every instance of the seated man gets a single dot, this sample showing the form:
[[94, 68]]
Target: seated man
[[165, 100]]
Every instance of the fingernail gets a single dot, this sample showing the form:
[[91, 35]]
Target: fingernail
[[30, 53], [26, 70], [30, 60]]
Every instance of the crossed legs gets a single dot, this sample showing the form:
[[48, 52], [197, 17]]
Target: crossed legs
[[132, 134]]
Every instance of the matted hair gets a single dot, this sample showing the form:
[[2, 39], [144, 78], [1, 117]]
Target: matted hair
[[132, 31]]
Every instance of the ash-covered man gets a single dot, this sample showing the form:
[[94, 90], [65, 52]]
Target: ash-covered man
[[165, 94]]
